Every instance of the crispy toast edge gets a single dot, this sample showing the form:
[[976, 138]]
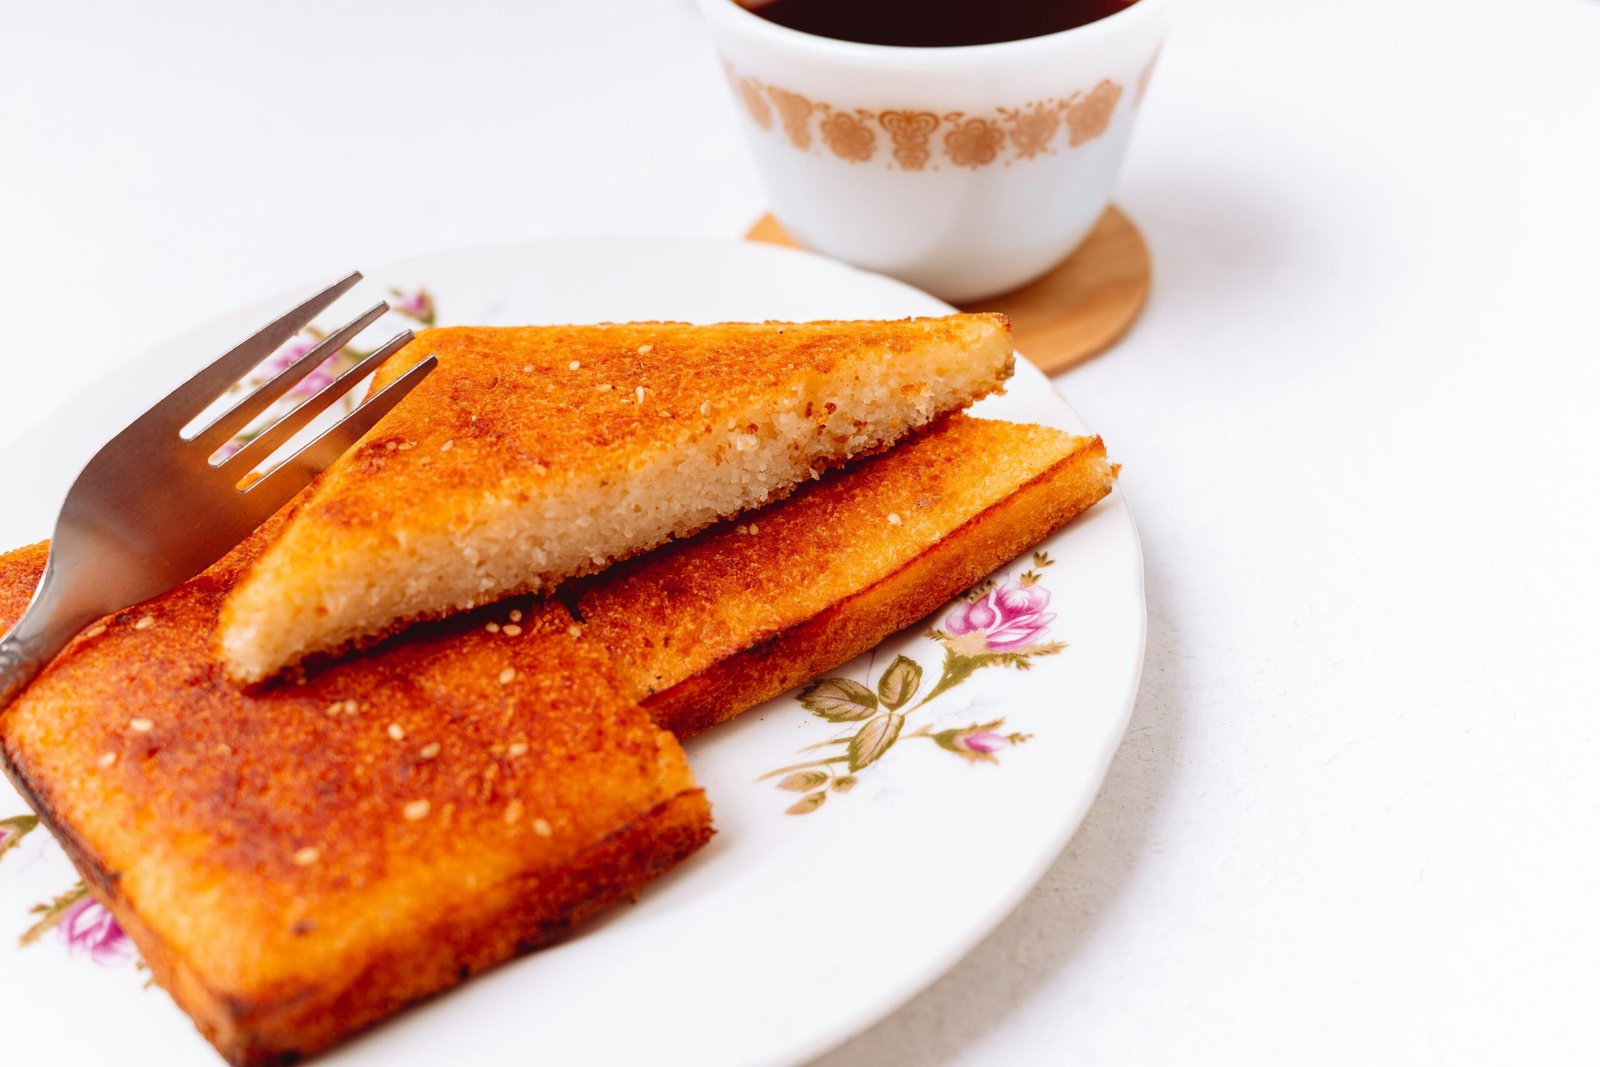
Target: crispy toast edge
[[281, 1029], [779, 661]]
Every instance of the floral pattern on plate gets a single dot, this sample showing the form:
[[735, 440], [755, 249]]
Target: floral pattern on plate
[[998, 624], [83, 922], [416, 305]]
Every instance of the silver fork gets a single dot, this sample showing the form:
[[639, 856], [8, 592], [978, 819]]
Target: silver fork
[[151, 510]]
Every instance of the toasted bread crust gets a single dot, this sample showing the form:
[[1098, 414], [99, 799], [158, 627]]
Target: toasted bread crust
[[298, 862], [532, 910], [861, 621], [707, 628], [20, 570], [535, 454]]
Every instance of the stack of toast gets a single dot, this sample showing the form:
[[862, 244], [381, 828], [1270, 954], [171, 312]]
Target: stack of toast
[[427, 717]]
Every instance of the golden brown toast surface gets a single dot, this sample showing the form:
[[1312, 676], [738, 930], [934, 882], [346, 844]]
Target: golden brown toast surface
[[298, 862], [533, 454], [199, 850], [514, 388], [705, 628]]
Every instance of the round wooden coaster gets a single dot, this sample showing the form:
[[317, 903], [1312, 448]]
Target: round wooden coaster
[[1076, 311]]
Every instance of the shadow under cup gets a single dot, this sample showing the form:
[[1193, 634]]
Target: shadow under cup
[[966, 171]]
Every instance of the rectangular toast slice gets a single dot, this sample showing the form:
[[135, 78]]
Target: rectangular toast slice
[[300, 861], [536, 454], [706, 628], [698, 631]]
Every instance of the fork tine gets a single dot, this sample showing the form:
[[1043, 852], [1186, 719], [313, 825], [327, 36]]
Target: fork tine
[[272, 491], [194, 395], [239, 416], [281, 432]]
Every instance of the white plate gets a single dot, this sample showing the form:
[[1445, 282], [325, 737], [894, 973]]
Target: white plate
[[788, 933]]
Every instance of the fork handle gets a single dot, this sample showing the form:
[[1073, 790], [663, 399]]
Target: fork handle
[[43, 631], [19, 665]]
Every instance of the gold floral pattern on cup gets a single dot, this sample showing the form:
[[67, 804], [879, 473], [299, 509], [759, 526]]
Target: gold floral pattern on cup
[[794, 111], [973, 142], [968, 139], [910, 131], [1088, 118], [749, 91], [1033, 127], [849, 136], [1144, 77]]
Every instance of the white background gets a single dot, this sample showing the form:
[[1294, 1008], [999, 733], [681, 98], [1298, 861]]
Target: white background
[[1357, 814]]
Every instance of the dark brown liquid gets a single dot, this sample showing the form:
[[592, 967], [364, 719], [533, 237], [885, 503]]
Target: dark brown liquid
[[933, 23]]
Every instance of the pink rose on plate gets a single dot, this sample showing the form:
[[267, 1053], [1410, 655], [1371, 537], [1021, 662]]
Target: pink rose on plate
[[89, 927], [979, 742], [984, 744], [288, 357], [14, 829], [418, 304], [313, 383], [317, 380], [1009, 618]]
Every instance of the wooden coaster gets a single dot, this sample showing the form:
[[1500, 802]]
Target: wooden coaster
[[1076, 311]]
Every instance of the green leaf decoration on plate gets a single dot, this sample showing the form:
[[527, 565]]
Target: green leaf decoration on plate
[[899, 683], [995, 624], [804, 781], [14, 829], [53, 912], [839, 700], [874, 739], [808, 803]]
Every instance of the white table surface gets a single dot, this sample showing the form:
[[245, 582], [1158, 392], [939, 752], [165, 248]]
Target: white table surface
[[1357, 814]]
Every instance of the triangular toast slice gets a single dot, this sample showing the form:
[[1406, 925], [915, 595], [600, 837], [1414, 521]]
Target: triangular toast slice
[[535, 454], [295, 862], [706, 628]]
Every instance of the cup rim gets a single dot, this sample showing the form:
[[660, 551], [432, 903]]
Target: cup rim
[[741, 19]]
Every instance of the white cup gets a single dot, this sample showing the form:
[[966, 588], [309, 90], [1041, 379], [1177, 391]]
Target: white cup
[[965, 171]]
